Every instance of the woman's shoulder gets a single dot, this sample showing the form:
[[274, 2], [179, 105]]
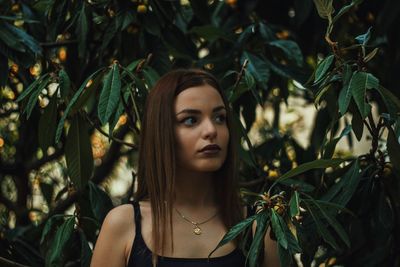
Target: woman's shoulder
[[120, 219], [116, 234]]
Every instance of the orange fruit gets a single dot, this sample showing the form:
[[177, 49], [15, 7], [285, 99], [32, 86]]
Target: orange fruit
[[232, 3], [141, 8], [62, 54]]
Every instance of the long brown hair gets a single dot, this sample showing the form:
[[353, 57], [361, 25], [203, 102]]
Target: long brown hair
[[157, 155]]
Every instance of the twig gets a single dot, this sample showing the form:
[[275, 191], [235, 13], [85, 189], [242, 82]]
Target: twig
[[60, 43], [369, 127], [8, 263], [253, 182], [107, 135], [239, 77], [143, 63]]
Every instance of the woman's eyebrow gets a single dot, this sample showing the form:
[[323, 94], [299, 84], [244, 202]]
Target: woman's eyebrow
[[196, 111]]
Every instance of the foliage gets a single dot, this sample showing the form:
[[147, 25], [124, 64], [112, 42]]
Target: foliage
[[70, 70]]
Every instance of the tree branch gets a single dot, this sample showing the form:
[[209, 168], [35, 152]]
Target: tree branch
[[8, 263], [37, 164]]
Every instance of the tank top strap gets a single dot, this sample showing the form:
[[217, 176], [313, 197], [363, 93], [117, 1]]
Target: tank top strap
[[140, 255], [138, 218]]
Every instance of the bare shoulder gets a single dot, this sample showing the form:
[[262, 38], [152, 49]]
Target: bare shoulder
[[117, 232], [120, 218]]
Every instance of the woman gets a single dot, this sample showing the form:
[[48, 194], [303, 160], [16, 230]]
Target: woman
[[187, 195]]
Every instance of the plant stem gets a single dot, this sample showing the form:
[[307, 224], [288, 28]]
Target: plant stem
[[109, 136]]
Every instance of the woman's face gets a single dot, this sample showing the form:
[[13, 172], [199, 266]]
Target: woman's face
[[201, 131]]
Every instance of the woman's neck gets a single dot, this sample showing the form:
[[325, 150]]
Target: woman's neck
[[194, 189]]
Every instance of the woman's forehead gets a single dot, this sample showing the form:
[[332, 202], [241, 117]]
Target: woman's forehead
[[201, 96]]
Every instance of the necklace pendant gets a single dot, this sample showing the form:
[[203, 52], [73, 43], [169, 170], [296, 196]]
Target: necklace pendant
[[197, 230]]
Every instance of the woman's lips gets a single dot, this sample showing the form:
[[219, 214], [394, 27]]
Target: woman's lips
[[210, 149]]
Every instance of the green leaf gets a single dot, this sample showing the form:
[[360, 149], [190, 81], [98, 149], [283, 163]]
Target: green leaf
[[150, 76], [65, 82], [60, 240], [333, 222], [132, 66], [234, 232], [78, 153], [324, 8], [34, 96], [345, 9], [47, 124], [323, 68], [82, 29], [31, 87], [316, 164], [359, 83], [284, 257], [60, 125], [110, 94], [364, 38], [118, 112], [329, 148], [300, 185], [321, 228], [89, 93], [266, 32], [86, 252], [100, 202], [345, 93], [294, 205], [391, 101], [393, 148], [256, 66], [258, 240], [18, 17], [277, 226], [49, 226], [357, 124], [291, 50], [342, 191], [208, 32]]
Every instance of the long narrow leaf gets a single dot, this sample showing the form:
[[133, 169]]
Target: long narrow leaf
[[61, 238], [323, 68], [31, 87], [60, 125], [333, 222], [110, 94], [323, 231], [78, 153], [261, 229], [316, 164], [294, 204], [277, 226], [234, 232]]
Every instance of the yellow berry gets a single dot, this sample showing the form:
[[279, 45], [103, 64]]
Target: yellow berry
[[141, 8], [62, 54], [14, 68], [331, 261], [273, 174], [15, 8], [232, 3]]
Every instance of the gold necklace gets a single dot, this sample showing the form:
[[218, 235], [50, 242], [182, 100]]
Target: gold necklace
[[196, 229]]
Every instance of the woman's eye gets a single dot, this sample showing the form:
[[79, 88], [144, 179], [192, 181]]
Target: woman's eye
[[189, 121], [220, 119]]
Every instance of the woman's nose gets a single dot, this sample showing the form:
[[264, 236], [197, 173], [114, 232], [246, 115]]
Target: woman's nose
[[209, 130]]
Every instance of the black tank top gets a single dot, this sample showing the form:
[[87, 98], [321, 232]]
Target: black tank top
[[141, 255]]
